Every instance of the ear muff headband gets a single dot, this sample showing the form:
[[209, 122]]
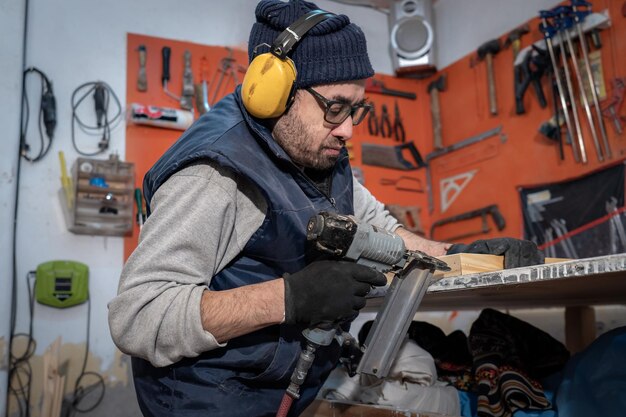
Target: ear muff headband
[[284, 43], [269, 84]]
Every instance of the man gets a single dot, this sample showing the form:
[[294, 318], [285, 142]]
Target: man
[[213, 301]]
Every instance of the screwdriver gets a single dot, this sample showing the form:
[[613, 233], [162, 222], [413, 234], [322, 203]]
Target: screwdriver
[[140, 214]]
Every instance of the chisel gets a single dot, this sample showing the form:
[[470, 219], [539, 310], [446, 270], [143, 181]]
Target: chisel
[[142, 80], [186, 99], [165, 74], [202, 89]]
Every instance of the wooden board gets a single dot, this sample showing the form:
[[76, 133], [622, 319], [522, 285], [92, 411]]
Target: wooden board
[[580, 327], [53, 382], [472, 263]]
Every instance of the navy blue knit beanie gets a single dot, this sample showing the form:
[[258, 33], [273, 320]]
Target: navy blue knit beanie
[[333, 50]]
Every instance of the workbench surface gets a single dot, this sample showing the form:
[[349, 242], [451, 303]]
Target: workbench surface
[[582, 282]]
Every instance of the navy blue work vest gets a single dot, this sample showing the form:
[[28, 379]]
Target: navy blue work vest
[[249, 376]]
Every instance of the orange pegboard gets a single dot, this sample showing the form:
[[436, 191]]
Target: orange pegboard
[[145, 144]]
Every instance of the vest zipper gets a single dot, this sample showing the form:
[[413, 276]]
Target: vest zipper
[[332, 201], [328, 195]]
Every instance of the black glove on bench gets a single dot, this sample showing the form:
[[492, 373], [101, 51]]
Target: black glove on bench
[[516, 252]]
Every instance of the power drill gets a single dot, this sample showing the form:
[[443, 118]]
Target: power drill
[[363, 243]]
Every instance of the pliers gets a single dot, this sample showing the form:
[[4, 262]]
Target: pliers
[[398, 127], [385, 123], [527, 75]]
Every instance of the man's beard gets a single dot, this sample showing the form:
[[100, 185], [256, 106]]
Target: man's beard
[[293, 135]]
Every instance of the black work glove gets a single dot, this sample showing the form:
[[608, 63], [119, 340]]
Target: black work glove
[[326, 293], [516, 252]]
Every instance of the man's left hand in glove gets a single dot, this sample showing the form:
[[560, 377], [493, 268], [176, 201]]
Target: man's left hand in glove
[[516, 252]]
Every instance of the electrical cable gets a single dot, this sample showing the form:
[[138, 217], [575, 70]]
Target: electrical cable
[[20, 373], [20, 370], [80, 392], [102, 93], [12, 364], [47, 115]]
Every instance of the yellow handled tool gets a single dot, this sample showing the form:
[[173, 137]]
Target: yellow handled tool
[[66, 182], [140, 212]]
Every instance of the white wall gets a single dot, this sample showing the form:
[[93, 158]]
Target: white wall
[[75, 41], [462, 25]]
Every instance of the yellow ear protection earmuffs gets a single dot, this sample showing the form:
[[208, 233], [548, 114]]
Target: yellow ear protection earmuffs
[[269, 84]]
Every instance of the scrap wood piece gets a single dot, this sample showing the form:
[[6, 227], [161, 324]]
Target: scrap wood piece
[[472, 263], [53, 382]]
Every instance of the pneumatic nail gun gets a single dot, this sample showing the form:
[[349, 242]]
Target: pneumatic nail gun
[[343, 237], [371, 246]]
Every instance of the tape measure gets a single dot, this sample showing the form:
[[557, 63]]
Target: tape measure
[[62, 284]]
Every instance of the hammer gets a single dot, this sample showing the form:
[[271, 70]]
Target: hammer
[[513, 40], [487, 51], [433, 89]]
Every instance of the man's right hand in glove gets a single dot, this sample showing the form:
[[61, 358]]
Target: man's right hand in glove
[[326, 293], [322, 294]]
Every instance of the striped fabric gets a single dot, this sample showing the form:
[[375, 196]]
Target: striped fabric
[[502, 390]]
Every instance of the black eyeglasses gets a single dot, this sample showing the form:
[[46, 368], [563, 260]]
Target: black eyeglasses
[[335, 112]]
